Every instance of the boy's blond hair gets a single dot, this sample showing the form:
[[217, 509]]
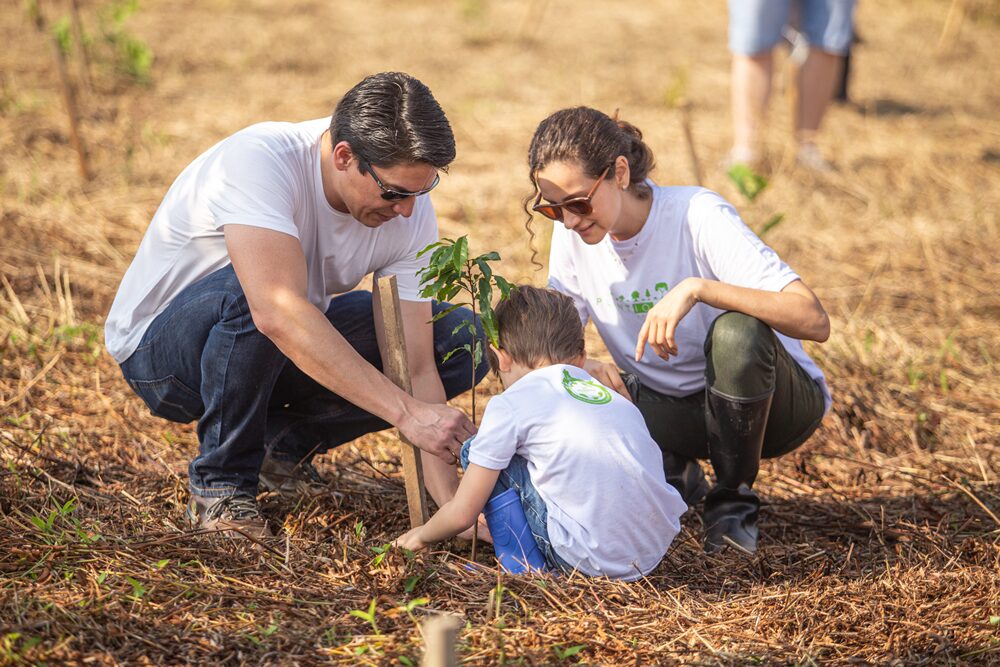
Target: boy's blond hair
[[538, 326]]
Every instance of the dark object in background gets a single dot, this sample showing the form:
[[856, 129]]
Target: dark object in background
[[840, 95]]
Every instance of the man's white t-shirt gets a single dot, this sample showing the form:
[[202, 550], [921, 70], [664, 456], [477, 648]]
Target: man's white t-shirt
[[591, 459], [690, 231], [267, 175]]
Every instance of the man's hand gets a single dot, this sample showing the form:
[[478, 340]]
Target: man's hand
[[607, 374], [662, 319], [411, 540], [437, 429]]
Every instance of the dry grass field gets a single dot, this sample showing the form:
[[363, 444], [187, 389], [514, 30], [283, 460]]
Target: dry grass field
[[881, 537]]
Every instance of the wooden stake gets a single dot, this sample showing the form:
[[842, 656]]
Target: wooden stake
[[440, 633], [396, 369], [952, 24], [69, 96], [685, 109], [81, 48]]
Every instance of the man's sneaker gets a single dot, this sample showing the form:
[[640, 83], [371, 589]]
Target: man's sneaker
[[291, 479], [236, 516]]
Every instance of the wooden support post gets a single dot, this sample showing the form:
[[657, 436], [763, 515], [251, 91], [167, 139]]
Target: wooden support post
[[396, 369], [440, 633], [69, 95], [685, 109], [81, 47], [952, 24]]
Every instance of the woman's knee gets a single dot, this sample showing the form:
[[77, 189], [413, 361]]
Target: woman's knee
[[740, 356]]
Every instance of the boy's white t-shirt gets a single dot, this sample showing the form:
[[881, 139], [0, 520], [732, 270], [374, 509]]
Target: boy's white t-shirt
[[267, 175], [690, 231], [593, 462]]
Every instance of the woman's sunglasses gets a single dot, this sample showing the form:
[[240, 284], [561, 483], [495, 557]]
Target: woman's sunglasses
[[575, 205], [388, 193]]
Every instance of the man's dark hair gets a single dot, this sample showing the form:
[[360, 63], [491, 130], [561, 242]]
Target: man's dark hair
[[537, 326], [391, 118]]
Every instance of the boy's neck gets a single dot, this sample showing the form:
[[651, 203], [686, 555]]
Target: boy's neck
[[518, 370]]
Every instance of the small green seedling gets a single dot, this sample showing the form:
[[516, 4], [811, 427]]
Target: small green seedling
[[132, 56], [368, 616], [380, 553], [138, 589], [568, 652], [747, 181], [751, 185]]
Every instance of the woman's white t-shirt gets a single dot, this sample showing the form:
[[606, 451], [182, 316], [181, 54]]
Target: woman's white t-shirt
[[267, 175], [591, 459], [690, 232]]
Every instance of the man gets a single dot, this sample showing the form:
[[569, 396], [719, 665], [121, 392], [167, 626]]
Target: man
[[225, 315]]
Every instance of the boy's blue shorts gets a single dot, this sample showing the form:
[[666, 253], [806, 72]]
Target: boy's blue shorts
[[755, 25]]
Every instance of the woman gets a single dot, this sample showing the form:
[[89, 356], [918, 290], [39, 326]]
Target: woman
[[705, 320]]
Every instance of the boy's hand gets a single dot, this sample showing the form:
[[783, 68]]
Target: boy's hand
[[411, 540]]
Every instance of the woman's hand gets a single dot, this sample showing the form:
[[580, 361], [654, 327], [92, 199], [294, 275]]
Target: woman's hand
[[662, 319], [411, 540], [607, 374]]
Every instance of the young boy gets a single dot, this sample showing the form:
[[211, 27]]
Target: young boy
[[589, 475]]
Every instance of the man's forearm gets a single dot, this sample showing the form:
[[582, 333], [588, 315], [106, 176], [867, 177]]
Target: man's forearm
[[304, 335]]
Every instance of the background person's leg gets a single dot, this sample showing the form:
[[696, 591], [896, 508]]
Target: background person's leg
[[751, 91], [754, 31], [829, 27]]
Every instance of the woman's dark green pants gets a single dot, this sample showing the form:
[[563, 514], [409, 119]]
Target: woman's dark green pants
[[758, 402]]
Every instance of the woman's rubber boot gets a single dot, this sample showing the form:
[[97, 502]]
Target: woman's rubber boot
[[513, 542], [686, 476], [735, 438]]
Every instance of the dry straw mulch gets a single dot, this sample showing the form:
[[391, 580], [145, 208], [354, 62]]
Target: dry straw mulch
[[881, 537]]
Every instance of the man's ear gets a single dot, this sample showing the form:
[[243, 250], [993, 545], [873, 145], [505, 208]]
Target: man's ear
[[342, 155], [504, 360]]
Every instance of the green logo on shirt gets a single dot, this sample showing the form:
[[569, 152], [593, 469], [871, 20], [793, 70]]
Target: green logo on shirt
[[588, 391], [640, 303]]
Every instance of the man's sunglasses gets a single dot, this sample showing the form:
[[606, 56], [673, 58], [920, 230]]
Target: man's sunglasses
[[575, 205], [388, 193]]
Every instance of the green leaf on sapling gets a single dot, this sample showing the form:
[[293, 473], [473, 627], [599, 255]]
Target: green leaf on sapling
[[444, 313], [484, 268], [460, 253]]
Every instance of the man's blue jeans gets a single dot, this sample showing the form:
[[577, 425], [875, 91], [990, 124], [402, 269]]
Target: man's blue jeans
[[202, 358], [516, 476]]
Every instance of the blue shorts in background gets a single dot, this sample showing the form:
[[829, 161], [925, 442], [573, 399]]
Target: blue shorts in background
[[755, 25]]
